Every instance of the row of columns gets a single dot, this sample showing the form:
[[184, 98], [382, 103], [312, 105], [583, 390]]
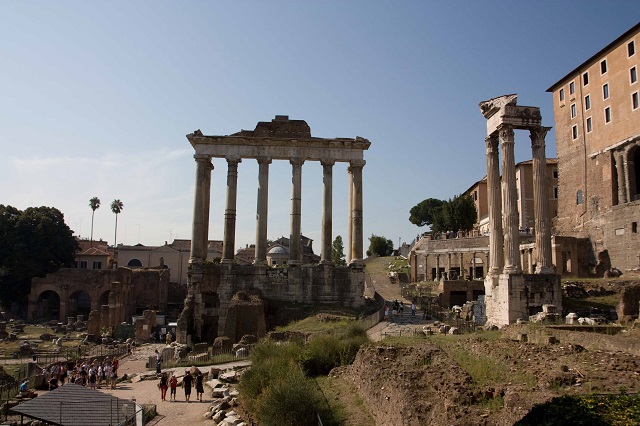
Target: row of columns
[[448, 265], [503, 209], [200, 231]]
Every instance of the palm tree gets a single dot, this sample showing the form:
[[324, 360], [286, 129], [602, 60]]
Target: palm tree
[[116, 207], [94, 203]]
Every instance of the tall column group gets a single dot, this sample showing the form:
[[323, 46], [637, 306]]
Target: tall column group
[[505, 256], [200, 230]]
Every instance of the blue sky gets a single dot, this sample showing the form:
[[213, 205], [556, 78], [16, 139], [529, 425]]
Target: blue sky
[[96, 99]]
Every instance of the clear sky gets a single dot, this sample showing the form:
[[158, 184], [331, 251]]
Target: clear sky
[[96, 99]]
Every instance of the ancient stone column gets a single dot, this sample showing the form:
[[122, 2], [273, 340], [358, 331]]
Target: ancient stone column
[[357, 230], [350, 223], [522, 258], [228, 245], [207, 205], [263, 207], [437, 266], [327, 211], [541, 201], [622, 178], [295, 247], [473, 266], [461, 266], [494, 196], [509, 202], [448, 266], [530, 261], [198, 250]]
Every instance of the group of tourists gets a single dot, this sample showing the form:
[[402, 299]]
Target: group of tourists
[[92, 374], [397, 308], [187, 382]]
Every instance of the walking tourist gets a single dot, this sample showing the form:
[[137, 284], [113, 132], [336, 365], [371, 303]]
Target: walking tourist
[[199, 385], [173, 383], [163, 386], [158, 362], [186, 384]]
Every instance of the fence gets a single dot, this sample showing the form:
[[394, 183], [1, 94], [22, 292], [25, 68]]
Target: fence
[[377, 316], [211, 357]]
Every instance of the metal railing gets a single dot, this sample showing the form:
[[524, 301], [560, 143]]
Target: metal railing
[[211, 357]]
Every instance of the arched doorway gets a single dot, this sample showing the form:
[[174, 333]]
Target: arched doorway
[[79, 304], [104, 298], [634, 174], [48, 307]]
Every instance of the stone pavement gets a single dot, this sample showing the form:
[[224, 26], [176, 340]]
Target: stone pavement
[[147, 392]]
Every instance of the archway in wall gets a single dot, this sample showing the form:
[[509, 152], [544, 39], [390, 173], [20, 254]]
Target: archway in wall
[[104, 298], [134, 263], [79, 304], [48, 307], [635, 172], [146, 300]]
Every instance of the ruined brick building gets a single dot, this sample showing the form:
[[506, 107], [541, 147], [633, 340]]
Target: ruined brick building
[[597, 121]]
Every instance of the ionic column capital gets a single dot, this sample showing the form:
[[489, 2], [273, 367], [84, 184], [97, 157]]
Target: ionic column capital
[[357, 163], [201, 157], [233, 160], [327, 163], [296, 161], [263, 160]]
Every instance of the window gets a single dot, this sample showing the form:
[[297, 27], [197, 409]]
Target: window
[[589, 125], [631, 48], [555, 193], [634, 100], [83, 264], [585, 79], [572, 88], [603, 66], [633, 75], [574, 132], [97, 265], [573, 110], [607, 115], [587, 103], [605, 91], [561, 94], [579, 197], [555, 173]]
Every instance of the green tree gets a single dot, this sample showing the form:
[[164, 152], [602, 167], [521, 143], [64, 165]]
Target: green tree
[[380, 246], [337, 252], [425, 212], [116, 208], [454, 214], [94, 203], [35, 242]]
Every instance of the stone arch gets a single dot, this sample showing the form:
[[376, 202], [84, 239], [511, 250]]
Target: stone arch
[[633, 163], [48, 306], [104, 298], [134, 263], [79, 304]]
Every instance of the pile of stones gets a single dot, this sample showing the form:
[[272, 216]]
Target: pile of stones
[[221, 410]]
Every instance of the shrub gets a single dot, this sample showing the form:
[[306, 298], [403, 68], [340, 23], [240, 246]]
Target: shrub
[[289, 400]]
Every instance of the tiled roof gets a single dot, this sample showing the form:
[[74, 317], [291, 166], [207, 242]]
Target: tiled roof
[[74, 405]]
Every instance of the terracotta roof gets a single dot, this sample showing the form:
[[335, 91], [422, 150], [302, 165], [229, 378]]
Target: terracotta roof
[[74, 405], [94, 252]]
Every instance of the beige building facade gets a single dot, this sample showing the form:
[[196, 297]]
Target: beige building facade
[[597, 120]]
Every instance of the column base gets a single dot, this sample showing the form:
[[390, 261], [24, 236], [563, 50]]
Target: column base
[[545, 270], [356, 263], [327, 262], [512, 270]]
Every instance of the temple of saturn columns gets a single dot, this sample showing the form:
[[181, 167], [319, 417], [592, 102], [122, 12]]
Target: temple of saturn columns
[[509, 293], [230, 299]]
